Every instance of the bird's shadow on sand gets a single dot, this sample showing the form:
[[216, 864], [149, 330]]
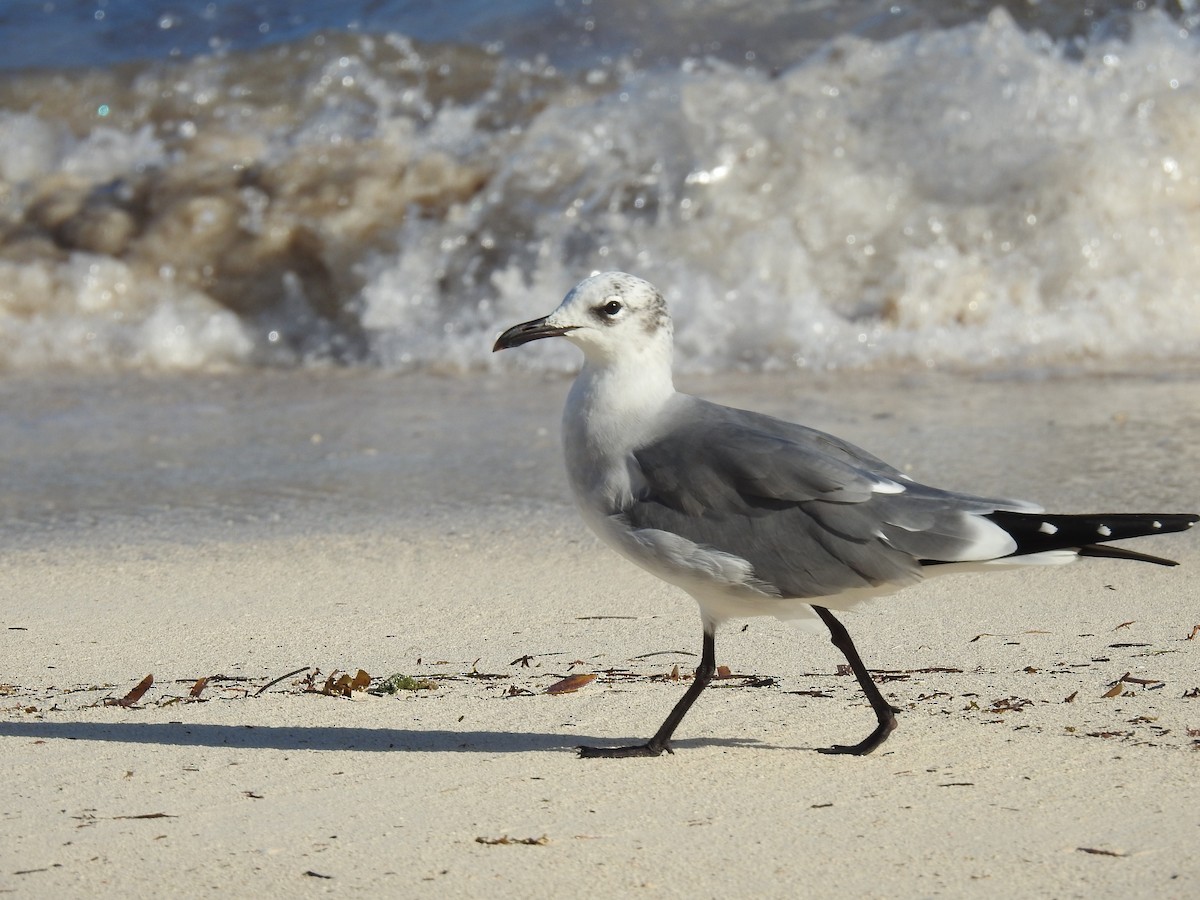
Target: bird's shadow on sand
[[357, 740]]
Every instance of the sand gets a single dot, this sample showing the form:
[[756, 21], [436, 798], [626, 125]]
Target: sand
[[238, 528]]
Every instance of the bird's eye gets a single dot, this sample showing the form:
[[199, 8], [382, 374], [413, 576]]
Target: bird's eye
[[611, 308]]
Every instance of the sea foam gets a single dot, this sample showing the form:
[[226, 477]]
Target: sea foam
[[973, 196]]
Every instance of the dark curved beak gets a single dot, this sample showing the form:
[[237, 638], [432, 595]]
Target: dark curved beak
[[526, 332]]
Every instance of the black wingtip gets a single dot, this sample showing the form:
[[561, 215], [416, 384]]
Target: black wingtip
[[1089, 534]]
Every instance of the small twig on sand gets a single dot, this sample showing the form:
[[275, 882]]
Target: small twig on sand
[[281, 678]]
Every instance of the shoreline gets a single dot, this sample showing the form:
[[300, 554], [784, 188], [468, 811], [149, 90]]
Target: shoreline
[[115, 458]]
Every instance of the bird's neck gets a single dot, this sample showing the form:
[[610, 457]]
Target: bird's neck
[[614, 403]]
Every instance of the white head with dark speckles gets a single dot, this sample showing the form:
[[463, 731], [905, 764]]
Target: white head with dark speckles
[[612, 317]]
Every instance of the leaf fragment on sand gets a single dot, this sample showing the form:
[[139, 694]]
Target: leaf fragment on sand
[[1118, 686], [1130, 679], [505, 840], [1009, 704], [571, 683], [133, 696], [198, 687], [343, 686]]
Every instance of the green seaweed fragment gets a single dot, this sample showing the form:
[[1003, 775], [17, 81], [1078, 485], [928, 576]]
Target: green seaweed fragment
[[401, 682]]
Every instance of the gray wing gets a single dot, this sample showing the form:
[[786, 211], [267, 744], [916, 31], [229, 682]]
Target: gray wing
[[812, 514]]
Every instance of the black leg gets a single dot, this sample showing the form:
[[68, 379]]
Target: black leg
[[840, 638], [662, 738]]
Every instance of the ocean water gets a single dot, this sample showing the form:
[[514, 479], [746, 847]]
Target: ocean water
[[386, 184]]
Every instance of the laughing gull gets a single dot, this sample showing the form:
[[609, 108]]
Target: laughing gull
[[754, 516]]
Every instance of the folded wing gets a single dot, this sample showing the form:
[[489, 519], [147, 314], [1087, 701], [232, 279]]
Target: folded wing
[[812, 514]]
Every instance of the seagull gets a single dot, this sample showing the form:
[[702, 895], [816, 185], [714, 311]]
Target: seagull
[[752, 515]]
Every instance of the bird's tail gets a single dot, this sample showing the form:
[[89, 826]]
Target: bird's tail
[[1088, 535]]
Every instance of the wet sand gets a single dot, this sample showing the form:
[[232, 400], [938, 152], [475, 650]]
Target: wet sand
[[238, 528]]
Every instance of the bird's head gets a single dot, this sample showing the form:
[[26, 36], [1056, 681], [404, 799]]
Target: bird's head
[[610, 316]]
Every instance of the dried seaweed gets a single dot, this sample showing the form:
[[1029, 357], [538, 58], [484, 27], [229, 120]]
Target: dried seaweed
[[134, 695], [571, 683]]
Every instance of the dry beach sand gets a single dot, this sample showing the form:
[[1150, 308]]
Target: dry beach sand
[[238, 529]]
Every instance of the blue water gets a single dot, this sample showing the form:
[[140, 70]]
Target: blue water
[[59, 33]]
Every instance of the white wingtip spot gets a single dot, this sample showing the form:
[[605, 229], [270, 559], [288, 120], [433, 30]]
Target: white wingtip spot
[[1157, 524], [1104, 531], [887, 486], [1047, 528]]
